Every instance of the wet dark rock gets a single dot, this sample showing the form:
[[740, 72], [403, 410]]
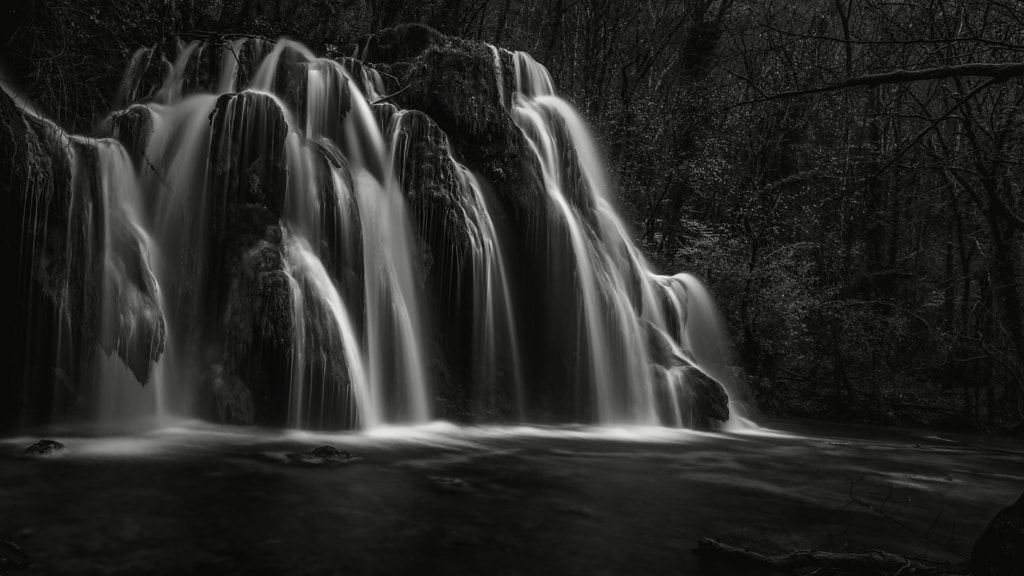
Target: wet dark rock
[[246, 284], [258, 326], [290, 81], [248, 158], [429, 181], [698, 401], [703, 400], [45, 448], [132, 127], [325, 455], [233, 399], [328, 451], [1000, 550]]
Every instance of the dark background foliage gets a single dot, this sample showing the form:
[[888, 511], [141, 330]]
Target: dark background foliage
[[845, 174]]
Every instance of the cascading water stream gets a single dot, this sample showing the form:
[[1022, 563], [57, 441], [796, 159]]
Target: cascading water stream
[[494, 338], [616, 315], [399, 383], [492, 302], [307, 276], [618, 358], [127, 281]]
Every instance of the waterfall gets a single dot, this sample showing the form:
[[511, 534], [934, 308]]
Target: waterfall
[[615, 317], [131, 304], [272, 247]]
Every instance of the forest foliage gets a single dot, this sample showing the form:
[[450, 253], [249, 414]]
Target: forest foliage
[[844, 174]]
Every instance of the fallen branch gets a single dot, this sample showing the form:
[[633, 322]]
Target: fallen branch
[[871, 562], [383, 99]]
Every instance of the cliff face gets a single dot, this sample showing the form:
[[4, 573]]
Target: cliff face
[[336, 243]]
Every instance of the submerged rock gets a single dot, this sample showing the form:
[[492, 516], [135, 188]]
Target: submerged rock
[[45, 448], [1000, 550], [323, 455]]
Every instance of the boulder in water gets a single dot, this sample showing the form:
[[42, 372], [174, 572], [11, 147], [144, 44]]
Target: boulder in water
[[45, 448], [323, 455], [703, 400], [1000, 550]]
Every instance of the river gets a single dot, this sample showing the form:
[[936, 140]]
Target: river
[[198, 498]]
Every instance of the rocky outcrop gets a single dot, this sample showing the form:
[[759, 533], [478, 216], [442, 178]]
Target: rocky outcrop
[[232, 399]]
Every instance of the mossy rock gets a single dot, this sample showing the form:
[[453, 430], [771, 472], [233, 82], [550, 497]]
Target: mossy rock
[[399, 43], [454, 82], [258, 324]]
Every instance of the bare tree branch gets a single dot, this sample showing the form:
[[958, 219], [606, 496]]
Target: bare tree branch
[[996, 72]]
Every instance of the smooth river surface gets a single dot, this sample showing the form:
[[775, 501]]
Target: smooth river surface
[[441, 499]]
